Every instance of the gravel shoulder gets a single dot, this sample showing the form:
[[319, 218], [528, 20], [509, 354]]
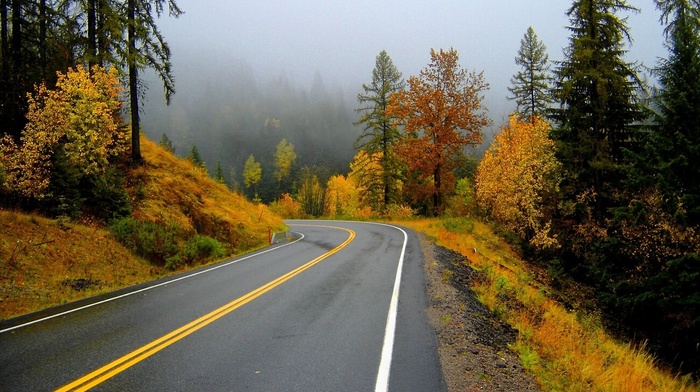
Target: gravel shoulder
[[473, 344]]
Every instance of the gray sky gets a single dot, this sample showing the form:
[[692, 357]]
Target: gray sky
[[340, 39]]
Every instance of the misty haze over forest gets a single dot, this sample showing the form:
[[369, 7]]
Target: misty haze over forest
[[235, 114]]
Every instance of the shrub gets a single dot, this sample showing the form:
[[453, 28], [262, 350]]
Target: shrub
[[174, 262], [399, 212], [287, 207], [200, 247], [462, 203], [150, 240], [459, 225], [108, 196], [2, 172]]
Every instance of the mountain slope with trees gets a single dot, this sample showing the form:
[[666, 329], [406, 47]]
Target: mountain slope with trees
[[181, 218]]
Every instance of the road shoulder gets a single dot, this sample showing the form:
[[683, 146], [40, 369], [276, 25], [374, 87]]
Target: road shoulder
[[473, 344]]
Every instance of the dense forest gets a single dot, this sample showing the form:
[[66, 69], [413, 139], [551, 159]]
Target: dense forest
[[594, 178]]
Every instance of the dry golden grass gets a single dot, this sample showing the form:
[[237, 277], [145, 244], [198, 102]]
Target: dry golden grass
[[40, 258], [566, 351], [174, 190]]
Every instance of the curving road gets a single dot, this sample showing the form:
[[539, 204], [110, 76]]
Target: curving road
[[322, 313]]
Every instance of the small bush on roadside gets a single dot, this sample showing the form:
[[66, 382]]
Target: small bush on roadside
[[459, 225], [399, 212], [107, 195], [201, 247], [287, 207], [174, 262], [150, 240], [463, 202]]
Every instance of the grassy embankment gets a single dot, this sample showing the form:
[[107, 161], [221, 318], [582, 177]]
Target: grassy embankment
[[565, 350], [46, 262]]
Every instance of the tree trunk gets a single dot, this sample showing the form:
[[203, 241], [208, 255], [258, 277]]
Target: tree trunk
[[92, 33], [385, 168], [43, 22], [4, 44], [100, 31], [16, 36], [437, 192], [133, 85]]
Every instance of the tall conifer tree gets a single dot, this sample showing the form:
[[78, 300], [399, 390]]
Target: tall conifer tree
[[660, 230], [597, 90], [146, 47], [219, 173], [530, 86], [380, 135], [677, 141]]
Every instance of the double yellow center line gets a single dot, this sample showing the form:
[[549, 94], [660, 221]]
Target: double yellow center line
[[119, 365]]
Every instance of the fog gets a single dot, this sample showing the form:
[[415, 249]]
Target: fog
[[240, 63]]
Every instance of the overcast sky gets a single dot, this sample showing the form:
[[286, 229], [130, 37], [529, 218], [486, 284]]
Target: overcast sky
[[340, 39]]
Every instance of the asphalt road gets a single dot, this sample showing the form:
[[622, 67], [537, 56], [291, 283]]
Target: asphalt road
[[311, 315]]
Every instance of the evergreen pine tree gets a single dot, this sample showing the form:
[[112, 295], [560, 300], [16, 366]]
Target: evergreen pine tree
[[677, 140], [597, 91], [530, 86], [166, 143], [146, 47], [195, 158], [34, 38], [664, 216], [380, 135], [219, 173]]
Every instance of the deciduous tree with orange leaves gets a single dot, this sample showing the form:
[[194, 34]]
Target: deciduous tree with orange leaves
[[441, 113]]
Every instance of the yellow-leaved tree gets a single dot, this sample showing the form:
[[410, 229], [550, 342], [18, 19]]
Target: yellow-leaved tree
[[343, 196], [252, 173], [77, 125], [284, 160], [367, 173], [517, 181]]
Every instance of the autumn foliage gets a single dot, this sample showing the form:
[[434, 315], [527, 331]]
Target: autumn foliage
[[78, 120], [517, 180], [367, 172], [342, 195], [441, 113]]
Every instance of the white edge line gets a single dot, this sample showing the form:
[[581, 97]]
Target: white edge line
[[388, 346], [149, 287], [382, 384]]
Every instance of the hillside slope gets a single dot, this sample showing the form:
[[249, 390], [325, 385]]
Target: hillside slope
[[47, 262], [171, 190]]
